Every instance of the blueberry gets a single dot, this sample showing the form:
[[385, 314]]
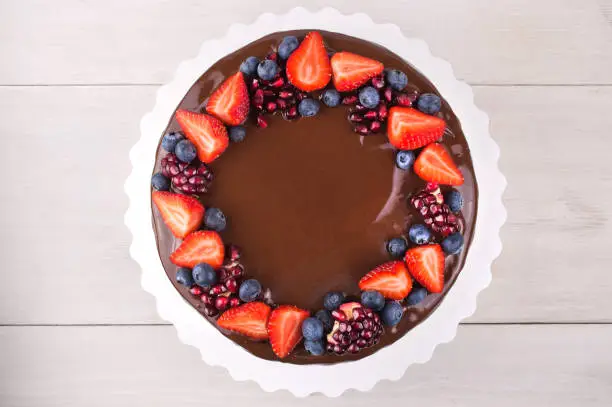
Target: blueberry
[[369, 97], [267, 69], [249, 66], [309, 107], [185, 151], [325, 317], [160, 182], [453, 243], [429, 103], [184, 276], [315, 348], [237, 134], [170, 141], [331, 98], [392, 313], [287, 46], [312, 329], [397, 79], [333, 300], [373, 299], [204, 275], [404, 159], [416, 295], [419, 234], [454, 200], [249, 290], [397, 247], [214, 219]]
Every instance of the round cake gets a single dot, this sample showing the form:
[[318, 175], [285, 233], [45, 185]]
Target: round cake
[[313, 197]]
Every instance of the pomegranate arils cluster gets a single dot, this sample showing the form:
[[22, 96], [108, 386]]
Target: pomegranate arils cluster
[[370, 121], [194, 178], [355, 328], [436, 214]]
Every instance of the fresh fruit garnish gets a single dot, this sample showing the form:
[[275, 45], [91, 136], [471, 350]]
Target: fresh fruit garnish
[[287, 46], [206, 132], [397, 79], [204, 275], [369, 97], [454, 200], [308, 67], [267, 70], [170, 140], [355, 328], [309, 107], [160, 182], [333, 300], [416, 296], [237, 134], [185, 151], [184, 276], [203, 246], [250, 290], [436, 214], [453, 243], [249, 66], [426, 265], [194, 178], [435, 164], [419, 234], [312, 329], [285, 328], [315, 348], [215, 219], [181, 213], [331, 98], [248, 319], [392, 313], [373, 299], [409, 129], [396, 247], [391, 279], [429, 103], [404, 159], [230, 101], [350, 70]]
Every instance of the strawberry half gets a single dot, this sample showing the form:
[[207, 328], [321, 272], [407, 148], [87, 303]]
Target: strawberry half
[[230, 101], [203, 246], [308, 66], [435, 164], [181, 213], [352, 70], [409, 129], [426, 265], [285, 329], [250, 319], [391, 279], [206, 132]]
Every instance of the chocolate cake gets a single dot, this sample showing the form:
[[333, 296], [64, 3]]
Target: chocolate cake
[[309, 202]]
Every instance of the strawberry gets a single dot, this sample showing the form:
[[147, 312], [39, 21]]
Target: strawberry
[[409, 129], [352, 70], [207, 133], [435, 164], [250, 319], [203, 246], [181, 213], [230, 101], [308, 66], [285, 329], [391, 279], [426, 265]]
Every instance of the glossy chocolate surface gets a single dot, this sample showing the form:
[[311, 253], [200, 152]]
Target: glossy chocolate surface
[[311, 203]]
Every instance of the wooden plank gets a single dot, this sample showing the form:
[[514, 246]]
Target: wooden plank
[[65, 246], [564, 366], [142, 41]]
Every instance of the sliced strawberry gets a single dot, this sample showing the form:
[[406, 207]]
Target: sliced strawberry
[[435, 164], [207, 133], [352, 70], [250, 319], [409, 129], [391, 279], [230, 101], [308, 66], [285, 329], [203, 246], [426, 265], [181, 213]]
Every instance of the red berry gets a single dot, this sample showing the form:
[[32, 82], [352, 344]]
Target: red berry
[[231, 285], [195, 290], [261, 122], [234, 302], [221, 303]]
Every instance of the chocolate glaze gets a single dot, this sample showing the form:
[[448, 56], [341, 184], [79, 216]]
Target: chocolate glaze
[[311, 203]]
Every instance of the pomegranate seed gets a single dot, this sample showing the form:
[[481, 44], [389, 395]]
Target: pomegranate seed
[[237, 271], [362, 343], [358, 314], [434, 209], [378, 82], [428, 221], [231, 285], [174, 170], [375, 126], [370, 114], [360, 108], [302, 95], [195, 290], [429, 199], [221, 303], [367, 334], [355, 118], [282, 104], [189, 189], [403, 100], [450, 218], [278, 83], [345, 340], [357, 326], [261, 122], [383, 111], [285, 94], [197, 180], [255, 84], [340, 316], [271, 107], [349, 100], [431, 186], [182, 165], [272, 56], [361, 129], [388, 94], [369, 313], [190, 172], [234, 252], [258, 97], [353, 348], [206, 299], [234, 302], [210, 311], [268, 93], [342, 327], [291, 113], [337, 349], [336, 336], [218, 289]]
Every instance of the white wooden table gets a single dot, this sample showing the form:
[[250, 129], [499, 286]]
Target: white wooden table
[[77, 329]]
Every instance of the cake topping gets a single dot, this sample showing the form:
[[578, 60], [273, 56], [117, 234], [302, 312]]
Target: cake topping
[[453, 243], [248, 319], [435, 164], [410, 129], [194, 178], [392, 313], [351, 71], [430, 204], [391, 279], [426, 266], [397, 79], [206, 132], [355, 328], [416, 296], [202, 246], [182, 214], [308, 67], [230, 101], [285, 329]]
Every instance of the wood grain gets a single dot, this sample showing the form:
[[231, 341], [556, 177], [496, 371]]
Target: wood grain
[[142, 41], [503, 366], [64, 236]]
